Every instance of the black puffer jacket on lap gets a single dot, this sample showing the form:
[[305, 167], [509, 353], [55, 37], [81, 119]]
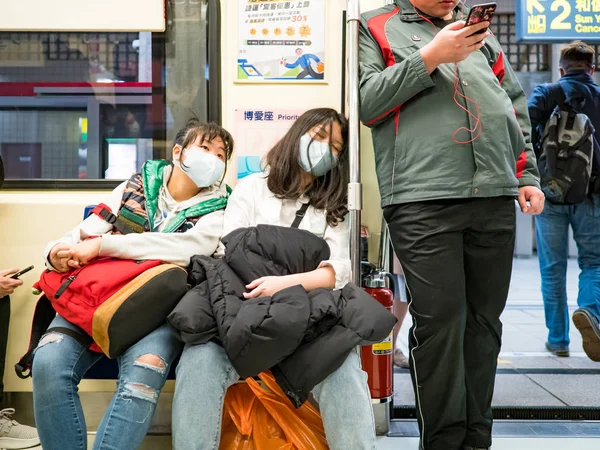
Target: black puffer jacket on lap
[[301, 336]]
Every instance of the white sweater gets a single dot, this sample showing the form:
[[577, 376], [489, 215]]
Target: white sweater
[[176, 248], [252, 203]]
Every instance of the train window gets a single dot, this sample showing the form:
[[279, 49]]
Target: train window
[[85, 110]]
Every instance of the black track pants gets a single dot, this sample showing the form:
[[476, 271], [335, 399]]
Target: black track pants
[[457, 260]]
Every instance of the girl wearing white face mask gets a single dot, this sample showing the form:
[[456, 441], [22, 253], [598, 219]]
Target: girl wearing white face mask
[[169, 212], [309, 165]]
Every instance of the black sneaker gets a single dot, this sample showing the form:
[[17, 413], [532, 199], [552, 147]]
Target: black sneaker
[[563, 352], [475, 448], [589, 328]]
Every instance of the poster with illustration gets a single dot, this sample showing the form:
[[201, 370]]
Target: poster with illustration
[[281, 40], [256, 131]]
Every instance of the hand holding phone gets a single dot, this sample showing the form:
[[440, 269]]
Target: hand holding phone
[[8, 283], [481, 13], [452, 44], [21, 272]]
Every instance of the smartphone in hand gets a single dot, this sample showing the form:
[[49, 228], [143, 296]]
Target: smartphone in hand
[[21, 272], [481, 13]]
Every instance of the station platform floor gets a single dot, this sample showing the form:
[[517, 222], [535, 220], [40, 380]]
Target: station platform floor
[[527, 374], [390, 443]]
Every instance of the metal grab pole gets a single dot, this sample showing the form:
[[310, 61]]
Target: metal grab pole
[[354, 188], [381, 411]]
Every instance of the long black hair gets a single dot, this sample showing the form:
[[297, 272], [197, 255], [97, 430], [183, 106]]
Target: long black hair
[[285, 178]]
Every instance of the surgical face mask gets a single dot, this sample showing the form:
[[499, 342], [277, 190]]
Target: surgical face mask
[[316, 157], [202, 167]]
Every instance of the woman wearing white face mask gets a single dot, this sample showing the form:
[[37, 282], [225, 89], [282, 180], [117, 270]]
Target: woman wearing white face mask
[[309, 165], [178, 212]]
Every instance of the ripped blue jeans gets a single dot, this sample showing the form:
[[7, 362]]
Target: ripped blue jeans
[[60, 363]]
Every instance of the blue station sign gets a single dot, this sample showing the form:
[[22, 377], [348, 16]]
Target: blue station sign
[[558, 20]]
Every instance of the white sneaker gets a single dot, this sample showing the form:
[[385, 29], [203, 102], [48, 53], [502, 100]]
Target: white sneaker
[[13, 435]]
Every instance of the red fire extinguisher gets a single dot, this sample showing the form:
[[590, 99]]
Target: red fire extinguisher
[[377, 359]]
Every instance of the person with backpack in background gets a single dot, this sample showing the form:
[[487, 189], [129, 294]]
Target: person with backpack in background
[[565, 118], [179, 206]]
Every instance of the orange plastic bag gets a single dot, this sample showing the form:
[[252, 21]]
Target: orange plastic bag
[[265, 419]]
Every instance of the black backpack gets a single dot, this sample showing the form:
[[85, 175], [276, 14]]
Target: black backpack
[[568, 157]]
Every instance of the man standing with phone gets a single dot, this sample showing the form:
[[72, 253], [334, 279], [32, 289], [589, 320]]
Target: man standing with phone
[[453, 152], [576, 92]]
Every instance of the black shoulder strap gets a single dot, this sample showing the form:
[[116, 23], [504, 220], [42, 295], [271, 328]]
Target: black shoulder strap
[[571, 106], [555, 97], [557, 94], [300, 215], [595, 179], [104, 212], [79, 335], [42, 317]]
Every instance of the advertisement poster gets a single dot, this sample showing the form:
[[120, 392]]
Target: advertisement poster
[[281, 40], [256, 132]]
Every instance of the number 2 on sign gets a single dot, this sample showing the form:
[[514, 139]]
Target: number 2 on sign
[[559, 22]]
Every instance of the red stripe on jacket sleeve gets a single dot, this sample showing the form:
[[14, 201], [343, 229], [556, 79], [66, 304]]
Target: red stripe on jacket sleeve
[[387, 113], [377, 26], [499, 71], [498, 67], [521, 163]]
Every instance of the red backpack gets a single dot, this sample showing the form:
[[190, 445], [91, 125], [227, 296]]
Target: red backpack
[[115, 302]]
